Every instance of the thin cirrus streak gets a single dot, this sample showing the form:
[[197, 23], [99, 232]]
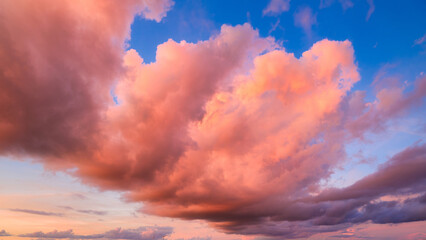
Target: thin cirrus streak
[[30, 211], [233, 130]]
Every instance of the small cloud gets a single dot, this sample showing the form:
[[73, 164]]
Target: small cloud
[[3, 233], [370, 9], [93, 212], [36, 212], [53, 234], [416, 236], [420, 41], [79, 196], [196, 238], [304, 18], [276, 7], [275, 26], [344, 3]]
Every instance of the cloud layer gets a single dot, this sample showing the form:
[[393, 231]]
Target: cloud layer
[[233, 130], [141, 233]]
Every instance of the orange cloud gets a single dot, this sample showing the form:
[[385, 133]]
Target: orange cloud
[[233, 130]]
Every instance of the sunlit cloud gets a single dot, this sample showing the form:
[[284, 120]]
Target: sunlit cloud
[[235, 130]]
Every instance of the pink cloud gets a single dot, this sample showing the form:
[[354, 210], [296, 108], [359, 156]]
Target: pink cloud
[[233, 130], [276, 7], [344, 3], [420, 41], [371, 9], [304, 18], [155, 9]]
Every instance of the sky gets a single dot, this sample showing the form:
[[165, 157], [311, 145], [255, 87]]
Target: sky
[[211, 120]]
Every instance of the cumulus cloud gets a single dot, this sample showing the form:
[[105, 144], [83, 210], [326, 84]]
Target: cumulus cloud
[[36, 212], [276, 7], [51, 65], [233, 130]]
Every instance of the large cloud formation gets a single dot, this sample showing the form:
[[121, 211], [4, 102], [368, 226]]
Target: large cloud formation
[[233, 130]]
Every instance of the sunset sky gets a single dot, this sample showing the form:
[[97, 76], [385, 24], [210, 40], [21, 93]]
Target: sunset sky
[[212, 119]]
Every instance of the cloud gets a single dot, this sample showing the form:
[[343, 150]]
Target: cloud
[[392, 101], [416, 236], [344, 3], [304, 18], [141, 233], [276, 7], [233, 130], [155, 9], [93, 212], [53, 234], [50, 68], [3, 233], [36, 212], [371, 9], [196, 238], [420, 41], [409, 165], [349, 4]]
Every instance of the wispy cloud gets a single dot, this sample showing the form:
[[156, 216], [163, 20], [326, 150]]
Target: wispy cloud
[[420, 40], [36, 212], [344, 3], [371, 9], [87, 211], [276, 7], [304, 18]]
